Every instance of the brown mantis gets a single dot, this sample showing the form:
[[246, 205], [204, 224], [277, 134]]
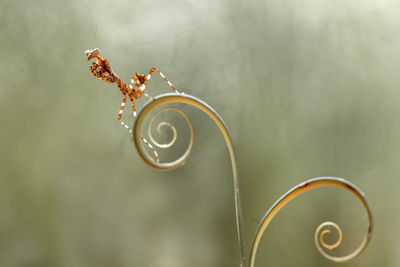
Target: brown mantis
[[101, 69]]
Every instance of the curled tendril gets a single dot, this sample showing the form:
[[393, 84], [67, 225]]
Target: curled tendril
[[193, 101], [148, 107], [319, 237], [166, 124]]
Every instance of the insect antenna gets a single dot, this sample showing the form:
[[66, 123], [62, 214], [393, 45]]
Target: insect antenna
[[97, 27]]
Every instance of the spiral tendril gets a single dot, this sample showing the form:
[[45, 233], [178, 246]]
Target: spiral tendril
[[318, 238], [155, 102], [193, 101]]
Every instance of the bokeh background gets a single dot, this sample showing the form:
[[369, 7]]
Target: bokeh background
[[307, 88]]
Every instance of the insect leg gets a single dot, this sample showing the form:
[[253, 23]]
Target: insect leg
[[120, 114], [133, 105], [152, 148], [153, 69], [143, 139]]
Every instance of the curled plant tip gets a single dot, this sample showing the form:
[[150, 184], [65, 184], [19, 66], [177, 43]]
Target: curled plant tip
[[162, 100], [319, 233], [137, 132], [165, 99]]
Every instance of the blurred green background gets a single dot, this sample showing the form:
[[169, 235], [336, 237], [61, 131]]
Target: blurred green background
[[307, 88]]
